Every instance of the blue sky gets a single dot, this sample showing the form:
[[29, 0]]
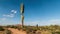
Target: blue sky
[[41, 12]]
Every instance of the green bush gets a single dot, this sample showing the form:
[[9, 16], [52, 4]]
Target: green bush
[[1, 28]]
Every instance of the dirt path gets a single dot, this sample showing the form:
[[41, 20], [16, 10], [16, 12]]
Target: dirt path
[[16, 31]]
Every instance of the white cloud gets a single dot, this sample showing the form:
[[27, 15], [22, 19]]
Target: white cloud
[[12, 14], [4, 20], [13, 11]]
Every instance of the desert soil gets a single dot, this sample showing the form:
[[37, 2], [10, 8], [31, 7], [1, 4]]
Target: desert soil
[[16, 31]]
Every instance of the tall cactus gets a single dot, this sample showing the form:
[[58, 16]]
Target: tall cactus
[[22, 14], [37, 26]]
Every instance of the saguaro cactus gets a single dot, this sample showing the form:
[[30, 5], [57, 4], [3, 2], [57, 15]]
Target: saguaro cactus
[[22, 14], [37, 25]]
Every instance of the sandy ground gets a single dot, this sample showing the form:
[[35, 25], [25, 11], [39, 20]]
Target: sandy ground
[[1, 32], [16, 31]]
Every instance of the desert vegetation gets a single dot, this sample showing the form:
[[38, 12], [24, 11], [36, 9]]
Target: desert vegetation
[[1, 28], [52, 29]]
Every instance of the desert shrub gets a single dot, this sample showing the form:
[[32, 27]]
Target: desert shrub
[[19, 28], [8, 26], [1, 28], [55, 32], [31, 33], [13, 27], [7, 32], [38, 32], [34, 29], [31, 30], [24, 29]]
